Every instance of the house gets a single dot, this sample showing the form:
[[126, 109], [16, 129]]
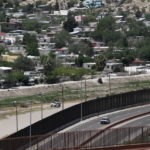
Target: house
[[45, 47], [34, 76], [12, 25], [2, 36], [68, 57], [5, 71], [135, 40], [113, 67], [69, 64], [92, 3], [16, 49], [61, 51], [13, 37], [18, 14], [9, 58], [76, 31], [61, 13], [147, 23], [99, 50], [88, 65], [78, 18]]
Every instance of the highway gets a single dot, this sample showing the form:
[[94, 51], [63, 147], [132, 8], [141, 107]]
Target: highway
[[94, 124]]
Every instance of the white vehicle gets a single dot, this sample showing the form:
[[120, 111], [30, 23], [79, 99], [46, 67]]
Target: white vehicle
[[55, 104], [105, 120]]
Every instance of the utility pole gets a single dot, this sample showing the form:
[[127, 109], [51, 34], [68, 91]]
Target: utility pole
[[109, 85], [30, 130], [15, 104], [62, 96], [85, 92], [81, 110], [41, 107]]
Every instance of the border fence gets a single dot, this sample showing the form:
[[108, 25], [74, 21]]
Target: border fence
[[72, 140], [65, 118]]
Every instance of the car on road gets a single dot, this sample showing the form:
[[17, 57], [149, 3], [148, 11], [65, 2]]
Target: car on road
[[105, 120], [55, 104]]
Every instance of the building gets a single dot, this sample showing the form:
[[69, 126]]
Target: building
[[10, 58], [113, 67], [2, 36], [88, 65], [92, 3], [5, 71]]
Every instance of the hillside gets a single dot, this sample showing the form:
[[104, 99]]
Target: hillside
[[127, 4], [132, 4]]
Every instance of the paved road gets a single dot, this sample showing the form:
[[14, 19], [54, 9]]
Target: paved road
[[94, 123], [8, 123]]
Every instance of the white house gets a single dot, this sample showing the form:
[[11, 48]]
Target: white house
[[88, 65]]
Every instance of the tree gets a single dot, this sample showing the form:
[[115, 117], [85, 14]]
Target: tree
[[138, 14], [100, 62], [71, 3], [23, 64], [70, 23], [31, 44], [147, 16], [80, 60], [31, 25], [2, 50], [83, 47], [28, 8], [105, 30], [49, 62], [62, 39], [137, 28], [88, 19], [2, 17], [16, 77], [56, 6], [143, 49]]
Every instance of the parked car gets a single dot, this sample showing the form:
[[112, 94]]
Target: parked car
[[55, 104], [105, 120]]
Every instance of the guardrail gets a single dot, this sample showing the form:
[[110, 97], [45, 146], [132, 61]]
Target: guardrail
[[62, 119]]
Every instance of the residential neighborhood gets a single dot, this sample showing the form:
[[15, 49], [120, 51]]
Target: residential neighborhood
[[43, 41], [74, 74]]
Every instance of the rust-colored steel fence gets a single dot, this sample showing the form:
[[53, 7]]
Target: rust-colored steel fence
[[72, 140]]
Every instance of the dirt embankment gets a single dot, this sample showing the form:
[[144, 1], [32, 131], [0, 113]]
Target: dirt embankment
[[91, 83]]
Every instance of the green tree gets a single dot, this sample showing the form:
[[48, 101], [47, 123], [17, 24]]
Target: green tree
[[143, 49], [31, 25], [56, 7], [70, 23], [71, 3], [49, 61], [2, 50], [23, 64], [28, 8], [62, 39], [83, 47], [80, 60], [105, 30], [138, 14], [147, 16], [31, 44], [100, 62], [137, 28], [89, 18], [16, 77], [2, 17]]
